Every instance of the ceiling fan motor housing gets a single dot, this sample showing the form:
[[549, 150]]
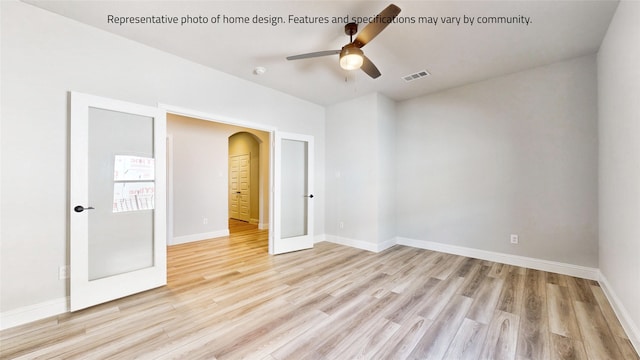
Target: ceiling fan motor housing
[[351, 29]]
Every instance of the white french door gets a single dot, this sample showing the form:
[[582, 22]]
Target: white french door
[[117, 199], [293, 185]]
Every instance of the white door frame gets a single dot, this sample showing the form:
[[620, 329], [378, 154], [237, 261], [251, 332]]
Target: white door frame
[[178, 110]]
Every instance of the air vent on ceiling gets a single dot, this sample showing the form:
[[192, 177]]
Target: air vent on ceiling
[[415, 76]]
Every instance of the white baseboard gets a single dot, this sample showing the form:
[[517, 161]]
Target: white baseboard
[[527, 262], [630, 327], [197, 237], [387, 244], [30, 313], [358, 244], [263, 226]]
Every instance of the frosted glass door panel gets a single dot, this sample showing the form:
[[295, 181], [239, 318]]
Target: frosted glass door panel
[[119, 241], [294, 188]]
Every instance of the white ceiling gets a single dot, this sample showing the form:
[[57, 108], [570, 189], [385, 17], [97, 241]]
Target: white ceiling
[[454, 55]]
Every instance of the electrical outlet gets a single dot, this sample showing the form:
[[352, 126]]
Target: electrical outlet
[[205, 221], [63, 272], [514, 239], [341, 225]]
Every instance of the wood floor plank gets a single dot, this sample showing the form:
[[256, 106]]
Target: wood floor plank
[[400, 345], [441, 296], [499, 271], [580, 290], [436, 341], [409, 304], [562, 317], [556, 279], [627, 349], [485, 302], [279, 332], [599, 342], [533, 337], [468, 341], [371, 341], [473, 281], [607, 311], [466, 266], [447, 266], [305, 344], [564, 348], [335, 345], [502, 337], [420, 267], [227, 298], [512, 295], [356, 292], [209, 341]]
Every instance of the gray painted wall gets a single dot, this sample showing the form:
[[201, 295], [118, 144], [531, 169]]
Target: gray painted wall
[[199, 175], [510, 155], [360, 173], [352, 169], [619, 156]]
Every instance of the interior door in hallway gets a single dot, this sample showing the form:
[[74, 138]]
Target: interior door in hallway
[[239, 187]]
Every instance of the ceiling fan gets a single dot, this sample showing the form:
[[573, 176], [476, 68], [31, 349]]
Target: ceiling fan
[[351, 57]]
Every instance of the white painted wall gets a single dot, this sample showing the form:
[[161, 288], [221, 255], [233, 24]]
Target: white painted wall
[[199, 178], [619, 163], [360, 178], [352, 169], [387, 176], [43, 57], [514, 154]]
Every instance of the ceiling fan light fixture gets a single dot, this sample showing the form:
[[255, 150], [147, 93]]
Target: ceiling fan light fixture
[[351, 57]]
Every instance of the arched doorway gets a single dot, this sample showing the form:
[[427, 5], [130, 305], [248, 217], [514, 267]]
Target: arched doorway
[[244, 177]]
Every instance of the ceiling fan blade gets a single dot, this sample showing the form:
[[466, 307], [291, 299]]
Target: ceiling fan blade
[[313, 54], [374, 28], [369, 68]]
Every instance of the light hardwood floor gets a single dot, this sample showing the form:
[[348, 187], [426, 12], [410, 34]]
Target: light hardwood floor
[[228, 299]]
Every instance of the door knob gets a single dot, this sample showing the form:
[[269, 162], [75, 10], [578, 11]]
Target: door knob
[[81, 208], [309, 196]]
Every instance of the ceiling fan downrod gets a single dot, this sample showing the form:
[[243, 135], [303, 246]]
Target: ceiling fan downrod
[[351, 29]]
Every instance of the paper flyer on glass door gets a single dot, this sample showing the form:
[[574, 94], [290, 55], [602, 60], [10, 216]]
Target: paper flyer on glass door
[[127, 167], [129, 192], [133, 196]]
